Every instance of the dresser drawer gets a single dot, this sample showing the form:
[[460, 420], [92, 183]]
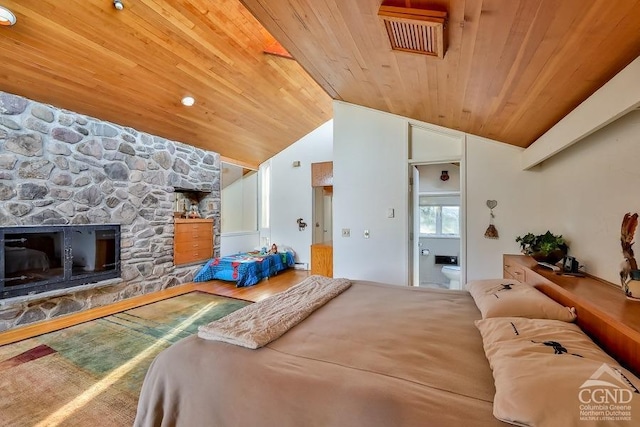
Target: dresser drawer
[[193, 241], [513, 271], [187, 239], [189, 256]]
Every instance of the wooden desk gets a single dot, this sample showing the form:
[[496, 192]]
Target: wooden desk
[[604, 313]]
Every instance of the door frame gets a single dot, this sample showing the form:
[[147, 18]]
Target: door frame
[[414, 221]]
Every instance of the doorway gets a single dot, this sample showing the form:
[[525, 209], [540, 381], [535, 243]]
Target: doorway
[[322, 214], [438, 218]]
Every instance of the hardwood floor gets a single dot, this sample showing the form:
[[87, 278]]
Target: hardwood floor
[[260, 291]]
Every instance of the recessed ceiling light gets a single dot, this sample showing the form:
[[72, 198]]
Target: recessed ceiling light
[[188, 101], [7, 18]]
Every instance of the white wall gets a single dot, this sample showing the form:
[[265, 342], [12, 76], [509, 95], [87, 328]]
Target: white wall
[[430, 272], [239, 204], [232, 243], [371, 175], [239, 215], [587, 190], [291, 191], [494, 173], [430, 181]]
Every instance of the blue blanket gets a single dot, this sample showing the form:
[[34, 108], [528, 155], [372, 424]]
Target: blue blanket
[[245, 269]]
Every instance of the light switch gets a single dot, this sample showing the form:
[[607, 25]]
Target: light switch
[[390, 213]]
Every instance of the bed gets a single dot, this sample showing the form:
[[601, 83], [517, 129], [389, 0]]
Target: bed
[[380, 355], [347, 356], [246, 269]]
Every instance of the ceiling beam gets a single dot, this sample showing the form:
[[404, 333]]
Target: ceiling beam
[[616, 98], [246, 165]]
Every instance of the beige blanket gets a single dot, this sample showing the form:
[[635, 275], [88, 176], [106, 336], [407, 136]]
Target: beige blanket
[[374, 356], [258, 324]]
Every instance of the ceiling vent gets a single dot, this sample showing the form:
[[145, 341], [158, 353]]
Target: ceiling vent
[[415, 30]]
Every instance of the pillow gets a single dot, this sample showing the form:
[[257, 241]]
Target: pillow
[[511, 298], [549, 373]]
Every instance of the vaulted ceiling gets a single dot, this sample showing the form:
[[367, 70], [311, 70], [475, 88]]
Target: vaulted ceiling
[[513, 68], [132, 67]]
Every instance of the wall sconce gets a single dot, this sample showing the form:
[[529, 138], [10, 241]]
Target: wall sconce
[[444, 176], [118, 4], [301, 224]]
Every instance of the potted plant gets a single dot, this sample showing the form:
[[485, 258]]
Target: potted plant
[[546, 247]]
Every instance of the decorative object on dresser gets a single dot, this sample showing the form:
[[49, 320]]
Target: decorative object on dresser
[[193, 240], [492, 232], [547, 247], [629, 273]]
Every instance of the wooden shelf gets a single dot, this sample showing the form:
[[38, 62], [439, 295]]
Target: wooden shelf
[[603, 311]]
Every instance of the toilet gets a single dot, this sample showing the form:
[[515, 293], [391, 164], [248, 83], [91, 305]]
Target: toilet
[[452, 272]]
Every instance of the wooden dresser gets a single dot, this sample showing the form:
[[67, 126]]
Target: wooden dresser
[[604, 313], [322, 259], [193, 240]]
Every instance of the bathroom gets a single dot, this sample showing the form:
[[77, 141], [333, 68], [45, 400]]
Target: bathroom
[[439, 213]]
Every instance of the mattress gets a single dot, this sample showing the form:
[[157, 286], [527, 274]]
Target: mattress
[[376, 355]]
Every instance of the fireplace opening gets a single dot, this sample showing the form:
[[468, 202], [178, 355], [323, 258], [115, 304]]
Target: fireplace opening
[[35, 259]]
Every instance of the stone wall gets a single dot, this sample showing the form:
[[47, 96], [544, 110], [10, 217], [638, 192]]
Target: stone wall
[[59, 167]]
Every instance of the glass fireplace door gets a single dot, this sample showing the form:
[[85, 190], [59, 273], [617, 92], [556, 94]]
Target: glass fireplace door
[[35, 259], [33, 256], [93, 250]]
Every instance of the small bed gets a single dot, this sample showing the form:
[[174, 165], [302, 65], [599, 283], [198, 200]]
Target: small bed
[[380, 355], [246, 269]]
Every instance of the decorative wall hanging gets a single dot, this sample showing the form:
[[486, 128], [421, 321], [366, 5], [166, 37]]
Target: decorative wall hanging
[[444, 176], [492, 232], [301, 224]]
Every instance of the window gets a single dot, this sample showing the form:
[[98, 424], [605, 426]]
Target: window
[[440, 216]]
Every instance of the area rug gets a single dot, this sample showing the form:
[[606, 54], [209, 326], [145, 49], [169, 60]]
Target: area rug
[[91, 374]]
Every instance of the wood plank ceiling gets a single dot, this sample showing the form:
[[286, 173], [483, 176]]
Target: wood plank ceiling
[[513, 68], [132, 67]]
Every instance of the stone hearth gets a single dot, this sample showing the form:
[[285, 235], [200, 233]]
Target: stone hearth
[[59, 167]]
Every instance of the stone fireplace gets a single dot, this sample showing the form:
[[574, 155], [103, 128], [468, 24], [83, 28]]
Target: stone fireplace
[[59, 168]]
